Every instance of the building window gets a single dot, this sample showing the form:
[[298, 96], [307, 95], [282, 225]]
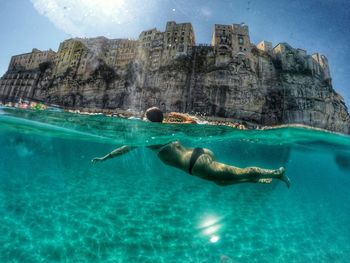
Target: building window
[[240, 40]]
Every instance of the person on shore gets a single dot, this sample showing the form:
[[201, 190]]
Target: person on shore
[[201, 162]]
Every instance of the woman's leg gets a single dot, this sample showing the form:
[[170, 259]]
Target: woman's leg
[[209, 169], [249, 174]]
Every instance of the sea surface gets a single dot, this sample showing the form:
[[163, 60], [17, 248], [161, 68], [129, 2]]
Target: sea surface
[[56, 206]]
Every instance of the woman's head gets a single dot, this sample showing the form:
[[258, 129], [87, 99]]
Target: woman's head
[[154, 114]]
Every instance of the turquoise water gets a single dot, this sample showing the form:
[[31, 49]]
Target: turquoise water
[[55, 206]]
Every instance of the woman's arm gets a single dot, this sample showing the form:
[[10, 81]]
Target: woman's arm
[[117, 152]]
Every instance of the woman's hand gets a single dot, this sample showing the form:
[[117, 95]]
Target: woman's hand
[[97, 159], [117, 152]]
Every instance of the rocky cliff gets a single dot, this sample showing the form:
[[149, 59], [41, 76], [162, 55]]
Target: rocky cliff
[[257, 89]]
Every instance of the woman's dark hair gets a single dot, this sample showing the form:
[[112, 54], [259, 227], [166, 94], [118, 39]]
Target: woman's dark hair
[[154, 114]]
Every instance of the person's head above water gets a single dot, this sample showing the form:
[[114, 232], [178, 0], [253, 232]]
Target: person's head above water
[[154, 114]]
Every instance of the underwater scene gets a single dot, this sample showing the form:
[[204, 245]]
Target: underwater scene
[[58, 206]]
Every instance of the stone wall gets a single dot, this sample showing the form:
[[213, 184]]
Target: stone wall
[[232, 79], [256, 91]]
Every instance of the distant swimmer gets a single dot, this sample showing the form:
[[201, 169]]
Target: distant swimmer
[[201, 162]]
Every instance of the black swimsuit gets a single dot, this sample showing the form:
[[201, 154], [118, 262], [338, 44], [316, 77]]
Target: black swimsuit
[[197, 152]]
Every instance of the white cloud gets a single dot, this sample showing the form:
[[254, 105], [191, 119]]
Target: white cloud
[[92, 17], [206, 12]]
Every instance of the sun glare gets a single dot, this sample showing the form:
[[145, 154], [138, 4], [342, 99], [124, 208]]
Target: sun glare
[[210, 227], [214, 239], [92, 17]]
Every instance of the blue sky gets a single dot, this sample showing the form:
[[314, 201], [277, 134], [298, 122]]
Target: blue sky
[[314, 25]]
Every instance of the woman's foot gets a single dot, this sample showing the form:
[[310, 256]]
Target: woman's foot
[[282, 172]]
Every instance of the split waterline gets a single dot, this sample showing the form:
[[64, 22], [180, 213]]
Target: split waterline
[[56, 206]]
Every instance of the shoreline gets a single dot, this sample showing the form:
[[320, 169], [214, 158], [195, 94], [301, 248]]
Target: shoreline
[[199, 119]]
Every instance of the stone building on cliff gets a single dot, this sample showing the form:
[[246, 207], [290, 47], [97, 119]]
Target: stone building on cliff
[[125, 51], [265, 46], [68, 55], [290, 59], [178, 40], [230, 41], [231, 78], [23, 73], [151, 46], [30, 61], [161, 48]]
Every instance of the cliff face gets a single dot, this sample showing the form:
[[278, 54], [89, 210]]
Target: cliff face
[[255, 89]]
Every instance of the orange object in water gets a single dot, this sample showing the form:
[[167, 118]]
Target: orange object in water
[[176, 117]]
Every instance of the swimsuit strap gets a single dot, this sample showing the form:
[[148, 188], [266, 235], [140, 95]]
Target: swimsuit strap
[[194, 157]]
